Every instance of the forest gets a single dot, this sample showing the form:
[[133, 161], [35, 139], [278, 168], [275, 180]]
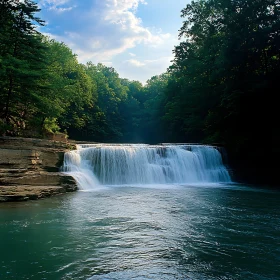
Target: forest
[[220, 89]]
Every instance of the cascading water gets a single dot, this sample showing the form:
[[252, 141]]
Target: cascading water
[[93, 165]]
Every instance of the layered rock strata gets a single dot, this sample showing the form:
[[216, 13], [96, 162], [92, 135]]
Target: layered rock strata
[[29, 169]]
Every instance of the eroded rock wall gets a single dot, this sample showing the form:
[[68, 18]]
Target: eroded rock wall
[[29, 169]]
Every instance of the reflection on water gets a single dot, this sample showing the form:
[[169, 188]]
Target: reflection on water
[[182, 232]]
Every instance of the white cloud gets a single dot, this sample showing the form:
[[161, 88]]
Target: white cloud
[[111, 32], [143, 70], [52, 3], [56, 5], [162, 62], [107, 63], [61, 10], [98, 30], [135, 62]]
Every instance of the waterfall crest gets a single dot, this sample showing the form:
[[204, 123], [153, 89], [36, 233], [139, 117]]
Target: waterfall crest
[[113, 164]]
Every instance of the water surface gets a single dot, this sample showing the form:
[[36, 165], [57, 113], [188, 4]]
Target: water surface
[[154, 232]]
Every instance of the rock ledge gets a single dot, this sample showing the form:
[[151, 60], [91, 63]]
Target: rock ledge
[[29, 169]]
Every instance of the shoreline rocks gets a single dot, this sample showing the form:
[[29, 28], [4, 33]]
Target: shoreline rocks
[[29, 169]]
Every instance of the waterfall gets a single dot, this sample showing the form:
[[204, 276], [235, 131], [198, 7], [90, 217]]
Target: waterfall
[[113, 164]]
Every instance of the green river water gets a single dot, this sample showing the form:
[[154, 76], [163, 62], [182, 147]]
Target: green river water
[[153, 232]]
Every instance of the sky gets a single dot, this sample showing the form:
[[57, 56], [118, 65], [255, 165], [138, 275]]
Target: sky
[[136, 37]]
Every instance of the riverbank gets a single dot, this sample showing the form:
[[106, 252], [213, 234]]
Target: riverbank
[[29, 169]]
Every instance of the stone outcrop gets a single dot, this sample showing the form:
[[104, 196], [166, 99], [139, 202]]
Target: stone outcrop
[[29, 169]]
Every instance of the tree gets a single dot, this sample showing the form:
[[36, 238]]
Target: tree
[[225, 76], [132, 111], [152, 126], [111, 94], [22, 61], [70, 89]]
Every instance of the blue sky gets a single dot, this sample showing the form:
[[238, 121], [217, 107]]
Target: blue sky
[[136, 37]]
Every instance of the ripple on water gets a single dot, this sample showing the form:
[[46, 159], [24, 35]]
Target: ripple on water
[[137, 233]]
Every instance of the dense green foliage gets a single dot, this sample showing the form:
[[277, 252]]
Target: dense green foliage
[[224, 79], [221, 87], [22, 58]]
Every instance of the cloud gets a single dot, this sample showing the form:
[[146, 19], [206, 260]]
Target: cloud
[[145, 69], [162, 62], [135, 62], [112, 32], [98, 30], [58, 6], [107, 63]]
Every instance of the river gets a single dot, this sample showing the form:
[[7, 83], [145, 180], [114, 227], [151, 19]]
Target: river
[[207, 231], [143, 212]]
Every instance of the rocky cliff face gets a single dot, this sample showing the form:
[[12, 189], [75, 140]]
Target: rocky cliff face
[[29, 169]]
